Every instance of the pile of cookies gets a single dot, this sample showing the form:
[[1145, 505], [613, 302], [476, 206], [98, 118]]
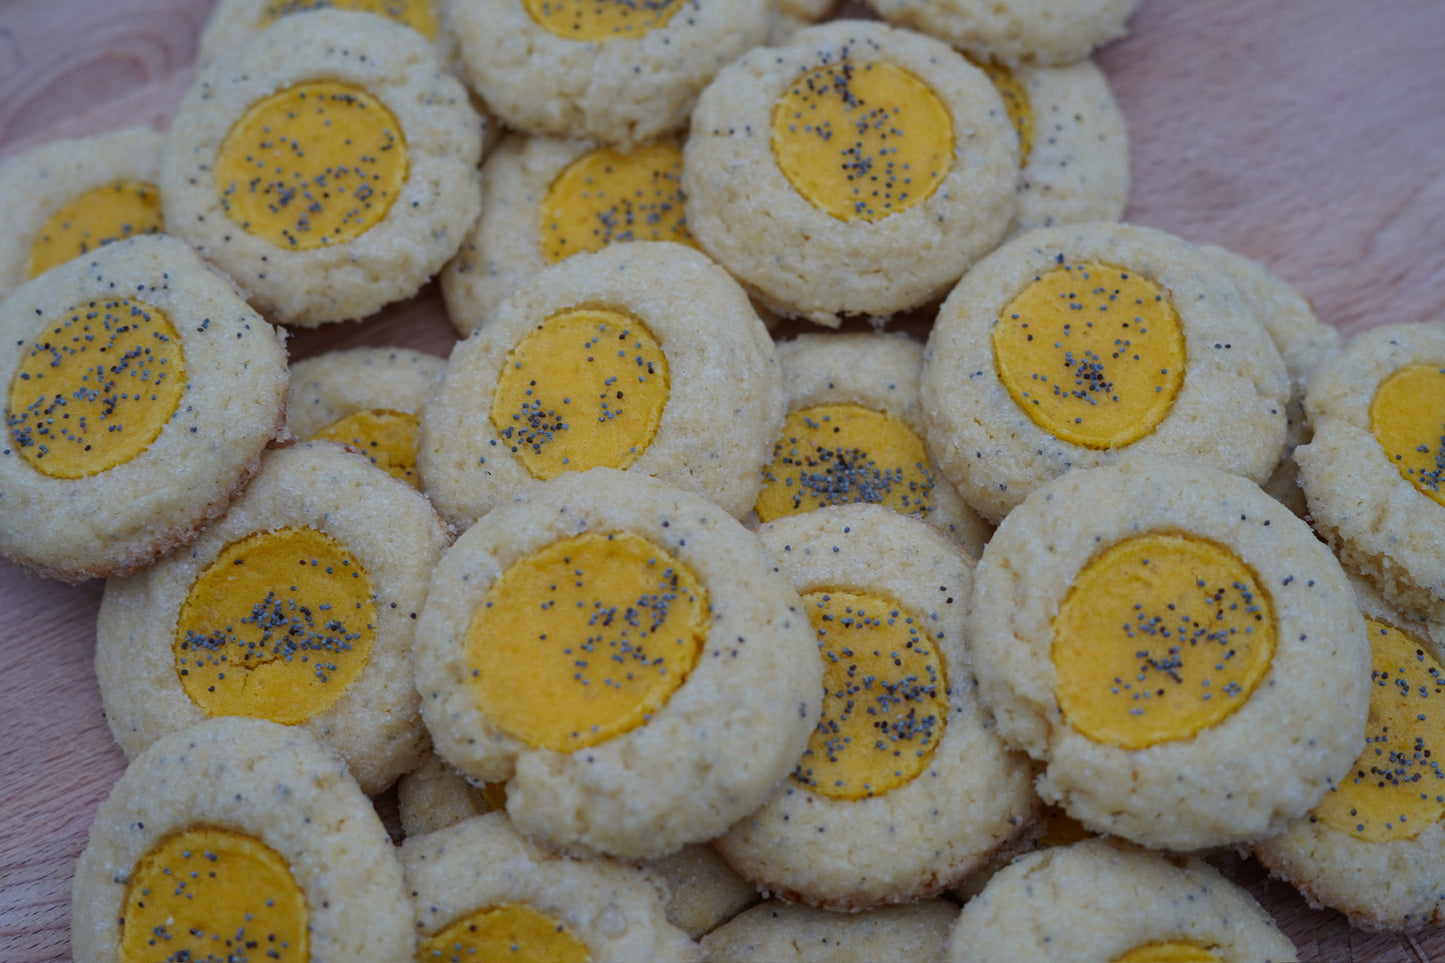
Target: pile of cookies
[[678, 642]]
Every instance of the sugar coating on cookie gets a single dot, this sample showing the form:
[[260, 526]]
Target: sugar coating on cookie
[[1158, 633], [70, 197], [140, 390], [643, 356], [547, 198], [298, 606], [781, 931], [235, 834], [1104, 899], [854, 434], [858, 169], [233, 22], [1372, 473], [904, 787], [631, 582], [616, 71], [1017, 31], [328, 165], [1068, 347]]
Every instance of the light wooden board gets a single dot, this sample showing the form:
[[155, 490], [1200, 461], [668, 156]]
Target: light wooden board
[[1303, 133]]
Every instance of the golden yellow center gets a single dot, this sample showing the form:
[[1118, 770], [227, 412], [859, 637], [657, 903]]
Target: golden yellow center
[[511, 931], [416, 14], [277, 627], [593, 20], [1015, 101], [1407, 416], [104, 214], [885, 698], [1170, 951], [385, 436], [862, 141], [213, 894], [1396, 789], [316, 164], [841, 454], [1093, 353], [584, 389], [1159, 637], [95, 390], [584, 639], [609, 197]]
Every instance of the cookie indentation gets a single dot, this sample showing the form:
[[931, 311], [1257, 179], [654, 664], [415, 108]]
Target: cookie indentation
[[386, 437], [508, 931], [1170, 951], [1407, 416], [1015, 101], [112, 212], [595, 20], [609, 196], [416, 14]]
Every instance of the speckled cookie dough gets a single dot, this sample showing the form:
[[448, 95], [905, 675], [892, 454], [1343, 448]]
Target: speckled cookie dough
[[482, 891], [1107, 900], [233, 835], [1374, 848], [329, 165], [368, 398], [1015, 32], [614, 70], [434, 796], [1082, 604], [108, 465], [1071, 346], [233, 22], [676, 690], [70, 197], [904, 788], [547, 198], [644, 356], [233, 626], [800, 934], [858, 169], [1051, 827], [1373, 472], [854, 433]]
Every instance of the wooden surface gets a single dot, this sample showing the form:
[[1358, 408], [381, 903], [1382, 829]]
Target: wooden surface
[[1303, 133]]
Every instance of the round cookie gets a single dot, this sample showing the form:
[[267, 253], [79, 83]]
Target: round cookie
[[854, 433], [434, 796], [858, 169], [1379, 500], [617, 71], [70, 197], [244, 830], [234, 627], [800, 934], [1103, 899], [140, 391], [368, 398], [546, 198], [329, 165], [794, 15], [644, 356], [1070, 346], [904, 788], [233, 22], [1158, 634], [482, 891], [676, 683], [1015, 32]]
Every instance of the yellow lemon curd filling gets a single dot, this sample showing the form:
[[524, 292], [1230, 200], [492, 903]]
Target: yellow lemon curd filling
[[213, 894], [1094, 354], [1407, 416], [385, 436], [277, 627], [584, 389], [95, 389], [592, 20], [316, 164], [1395, 790], [1170, 951], [841, 454], [416, 14], [111, 212], [1015, 101], [862, 141], [885, 697], [1160, 637], [609, 196], [511, 931], [584, 639]]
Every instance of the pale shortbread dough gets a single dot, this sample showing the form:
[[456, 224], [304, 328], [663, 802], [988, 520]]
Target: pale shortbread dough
[[801, 934], [1015, 31], [328, 387], [233, 22]]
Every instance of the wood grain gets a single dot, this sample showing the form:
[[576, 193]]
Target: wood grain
[[1303, 133]]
